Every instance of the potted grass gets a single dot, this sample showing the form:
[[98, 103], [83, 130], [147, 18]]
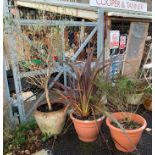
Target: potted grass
[[50, 114], [148, 98], [135, 91], [125, 125], [86, 116]]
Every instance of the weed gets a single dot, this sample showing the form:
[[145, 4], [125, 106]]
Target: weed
[[21, 135]]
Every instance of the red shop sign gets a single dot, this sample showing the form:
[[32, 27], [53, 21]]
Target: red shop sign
[[122, 42], [114, 39]]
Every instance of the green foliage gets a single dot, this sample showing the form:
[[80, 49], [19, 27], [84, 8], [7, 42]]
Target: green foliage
[[148, 91], [31, 124], [118, 90], [37, 61], [20, 136], [45, 137]]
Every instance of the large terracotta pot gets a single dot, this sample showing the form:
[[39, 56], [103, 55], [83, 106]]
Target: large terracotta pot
[[127, 140], [87, 130], [51, 123]]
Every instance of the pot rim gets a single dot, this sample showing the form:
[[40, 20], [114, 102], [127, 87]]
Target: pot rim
[[108, 122], [85, 121]]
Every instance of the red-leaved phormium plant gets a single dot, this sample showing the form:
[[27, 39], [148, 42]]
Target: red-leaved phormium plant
[[82, 92]]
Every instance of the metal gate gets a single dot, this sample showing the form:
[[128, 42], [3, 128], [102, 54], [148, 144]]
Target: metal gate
[[14, 29]]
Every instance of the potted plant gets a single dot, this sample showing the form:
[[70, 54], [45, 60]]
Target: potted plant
[[136, 91], [126, 135], [148, 98], [50, 114], [125, 125], [86, 116]]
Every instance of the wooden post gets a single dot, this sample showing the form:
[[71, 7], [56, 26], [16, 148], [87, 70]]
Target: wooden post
[[135, 48], [107, 45]]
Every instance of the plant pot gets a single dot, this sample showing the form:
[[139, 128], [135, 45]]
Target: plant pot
[[135, 99], [148, 103], [87, 130], [51, 123], [127, 140]]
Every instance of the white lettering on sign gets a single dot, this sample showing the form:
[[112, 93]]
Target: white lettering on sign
[[120, 4]]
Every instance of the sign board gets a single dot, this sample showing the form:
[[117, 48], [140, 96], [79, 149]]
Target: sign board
[[120, 4], [114, 39], [122, 42], [116, 66]]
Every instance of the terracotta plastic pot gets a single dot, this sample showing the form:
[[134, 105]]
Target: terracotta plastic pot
[[51, 123], [127, 140], [87, 130], [148, 103]]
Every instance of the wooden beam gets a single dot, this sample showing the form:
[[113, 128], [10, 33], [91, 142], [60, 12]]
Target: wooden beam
[[116, 18], [83, 6], [107, 36], [128, 15], [61, 10], [79, 9]]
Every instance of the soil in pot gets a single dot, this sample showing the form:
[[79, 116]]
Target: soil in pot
[[89, 118], [55, 107], [127, 124]]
